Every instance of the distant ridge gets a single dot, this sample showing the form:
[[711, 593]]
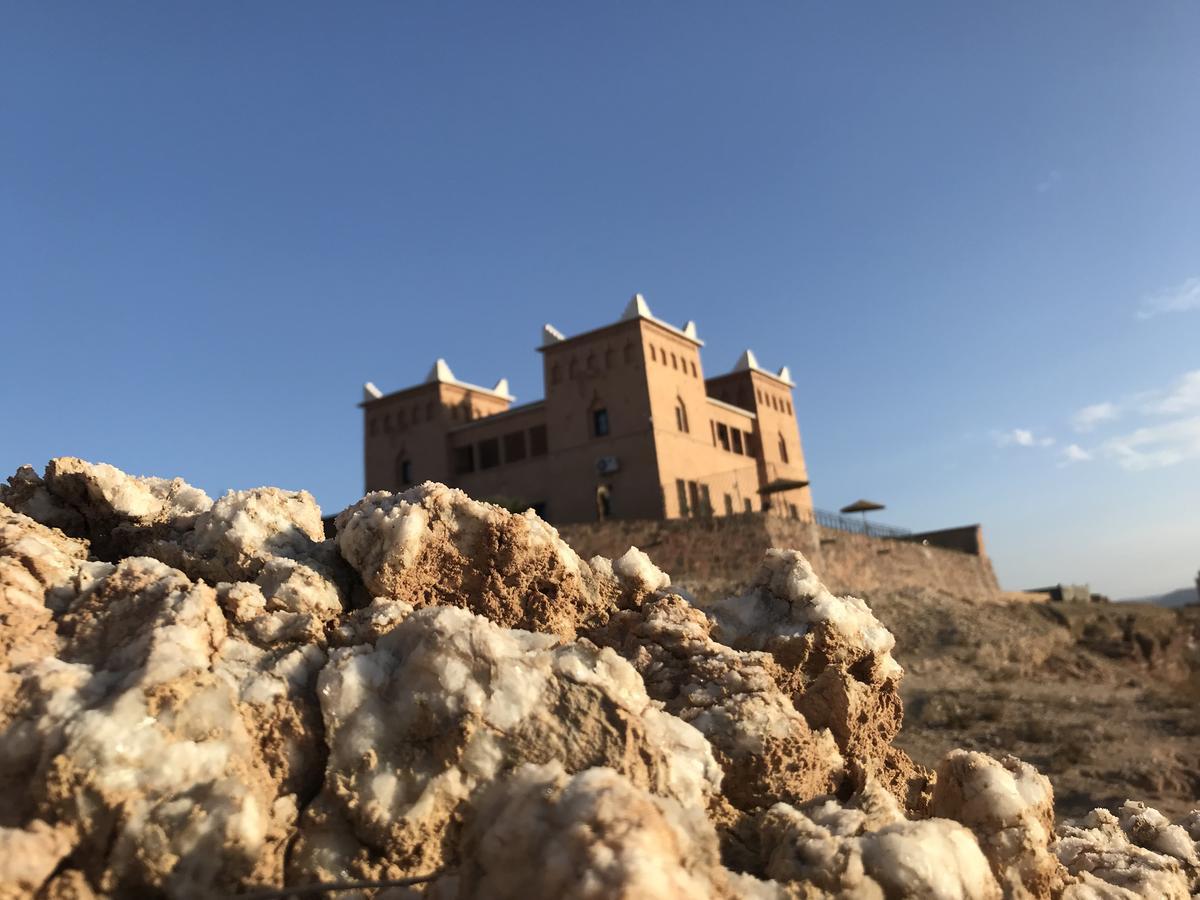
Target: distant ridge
[[1181, 597]]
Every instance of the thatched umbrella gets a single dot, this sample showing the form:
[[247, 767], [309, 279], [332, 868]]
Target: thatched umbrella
[[864, 507]]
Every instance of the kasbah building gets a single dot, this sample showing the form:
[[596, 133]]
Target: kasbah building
[[630, 428]]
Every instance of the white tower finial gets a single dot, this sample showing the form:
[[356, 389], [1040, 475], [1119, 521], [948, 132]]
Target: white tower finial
[[636, 308], [501, 388], [370, 392], [551, 335], [746, 361], [440, 372], [690, 329]]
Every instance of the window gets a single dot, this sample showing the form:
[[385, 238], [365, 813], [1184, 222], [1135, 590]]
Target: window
[[782, 448], [758, 392], [464, 460], [591, 362], [729, 504], [674, 361], [489, 453], [599, 422], [789, 406], [748, 440], [403, 470], [628, 352], [748, 504], [416, 414], [387, 422], [429, 411], [736, 433], [681, 419], [681, 490], [653, 354], [555, 373], [514, 446], [723, 436], [795, 513], [706, 509], [573, 369], [372, 425], [694, 497], [713, 426], [610, 358], [537, 440], [401, 419], [695, 373]]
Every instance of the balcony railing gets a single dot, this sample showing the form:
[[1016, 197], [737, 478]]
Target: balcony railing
[[857, 525]]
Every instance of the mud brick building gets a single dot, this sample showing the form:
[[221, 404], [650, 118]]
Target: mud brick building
[[630, 428]]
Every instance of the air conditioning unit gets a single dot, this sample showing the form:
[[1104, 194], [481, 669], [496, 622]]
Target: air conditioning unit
[[606, 465]]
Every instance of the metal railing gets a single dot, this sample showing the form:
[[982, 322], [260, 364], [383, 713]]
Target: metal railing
[[857, 525]]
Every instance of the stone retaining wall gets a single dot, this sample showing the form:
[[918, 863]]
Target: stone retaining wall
[[721, 554]]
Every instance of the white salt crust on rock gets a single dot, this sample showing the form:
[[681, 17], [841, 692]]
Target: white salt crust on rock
[[196, 700], [787, 601], [1104, 863], [1009, 806], [766, 747], [435, 545], [871, 851], [541, 832], [446, 702]]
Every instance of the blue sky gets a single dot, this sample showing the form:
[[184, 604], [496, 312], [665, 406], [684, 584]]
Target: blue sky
[[958, 225]]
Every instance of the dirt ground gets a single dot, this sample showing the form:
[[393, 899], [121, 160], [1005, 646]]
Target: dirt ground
[[1102, 698]]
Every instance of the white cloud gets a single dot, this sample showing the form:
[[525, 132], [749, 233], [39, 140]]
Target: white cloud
[[1091, 416], [1049, 182], [1181, 298], [1022, 437], [1073, 453], [1156, 446], [1183, 396]]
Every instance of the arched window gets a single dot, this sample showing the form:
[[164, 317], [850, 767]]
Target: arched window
[[782, 448], [681, 417]]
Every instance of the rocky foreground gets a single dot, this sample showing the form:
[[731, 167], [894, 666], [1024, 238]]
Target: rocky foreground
[[201, 698]]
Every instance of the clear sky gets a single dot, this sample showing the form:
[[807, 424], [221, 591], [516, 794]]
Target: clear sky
[[972, 232]]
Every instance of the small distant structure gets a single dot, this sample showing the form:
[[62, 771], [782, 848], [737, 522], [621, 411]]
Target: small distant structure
[[1068, 593], [1198, 587]]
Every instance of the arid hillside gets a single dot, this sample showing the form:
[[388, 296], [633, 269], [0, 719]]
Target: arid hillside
[[1102, 698]]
